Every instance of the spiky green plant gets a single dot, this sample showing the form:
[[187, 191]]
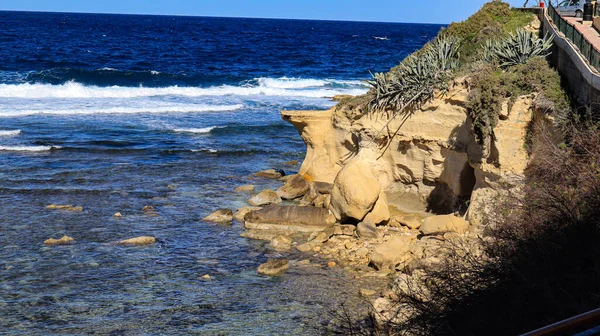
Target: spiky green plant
[[416, 79], [517, 48]]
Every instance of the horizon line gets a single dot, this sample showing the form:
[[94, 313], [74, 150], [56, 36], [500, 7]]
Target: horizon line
[[214, 16]]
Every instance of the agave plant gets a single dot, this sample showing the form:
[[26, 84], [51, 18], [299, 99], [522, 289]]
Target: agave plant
[[416, 80], [517, 48]]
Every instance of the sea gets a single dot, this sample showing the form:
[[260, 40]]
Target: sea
[[117, 112]]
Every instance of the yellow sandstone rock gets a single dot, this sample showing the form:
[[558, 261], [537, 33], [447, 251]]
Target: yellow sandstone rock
[[62, 241], [143, 240]]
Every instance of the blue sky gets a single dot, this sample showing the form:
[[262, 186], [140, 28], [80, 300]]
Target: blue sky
[[436, 11]]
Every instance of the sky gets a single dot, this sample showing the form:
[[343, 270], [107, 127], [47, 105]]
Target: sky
[[433, 11]]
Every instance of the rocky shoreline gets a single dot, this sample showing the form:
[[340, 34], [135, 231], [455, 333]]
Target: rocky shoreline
[[394, 215]]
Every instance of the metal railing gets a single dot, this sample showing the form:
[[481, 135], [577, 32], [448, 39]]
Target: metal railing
[[586, 49]]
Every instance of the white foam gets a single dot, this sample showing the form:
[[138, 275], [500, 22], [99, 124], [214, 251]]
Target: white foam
[[27, 148], [9, 133], [302, 83], [384, 38], [203, 130], [182, 108], [280, 88]]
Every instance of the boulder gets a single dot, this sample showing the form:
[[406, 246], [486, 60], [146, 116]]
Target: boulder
[[290, 218], [248, 188], [380, 212], [65, 240], [220, 216], [143, 240], [150, 211], [265, 197], [281, 243], [367, 230], [271, 173], [66, 207], [321, 237], [412, 221], [390, 253], [355, 191], [273, 267], [295, 187], [241, 212], [442, 224]]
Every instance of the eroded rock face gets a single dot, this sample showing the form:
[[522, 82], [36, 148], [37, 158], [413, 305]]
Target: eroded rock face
[[265, 197], [442, 224]]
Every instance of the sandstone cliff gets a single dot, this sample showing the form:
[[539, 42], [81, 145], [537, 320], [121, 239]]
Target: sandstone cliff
[[433, 163]]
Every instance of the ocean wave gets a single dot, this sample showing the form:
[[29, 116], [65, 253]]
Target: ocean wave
[[28, 148], [305, 83], [203, 130], [269, 88], [9, 133], [183, 108]]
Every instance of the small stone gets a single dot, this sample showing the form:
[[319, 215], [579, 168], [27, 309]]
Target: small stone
[[273, 267], [248, 188], [220, 216], [206, 277], [362, 252], [65, 240], [366, 292], [170, 186], [66, 207], [331, 264], [148, 208], [143, 240], [317, 249], [271, 173], [304, 262], [348, 229], [118, 215]]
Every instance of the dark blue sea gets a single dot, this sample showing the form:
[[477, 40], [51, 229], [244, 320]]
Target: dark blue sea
[[116, 112]]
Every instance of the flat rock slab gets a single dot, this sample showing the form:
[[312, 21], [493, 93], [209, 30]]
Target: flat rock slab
[[65, 240], [65, 207], [290, 218], [138, 241]]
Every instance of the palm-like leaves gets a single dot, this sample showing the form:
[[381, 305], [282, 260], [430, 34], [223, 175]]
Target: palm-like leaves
[[517, 48], [416, 80]]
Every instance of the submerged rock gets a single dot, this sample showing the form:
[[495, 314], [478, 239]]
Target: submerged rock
[[66, 207], [248, 188], [442, 224], [65, 240], [265, 197], [143, 240], [118, 215], [291, 163], [271, 173], [259, 234], [273, 267], [295, 187], [290, 218], [150, 211], [220, 216], [241, 212], [281, 243]]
